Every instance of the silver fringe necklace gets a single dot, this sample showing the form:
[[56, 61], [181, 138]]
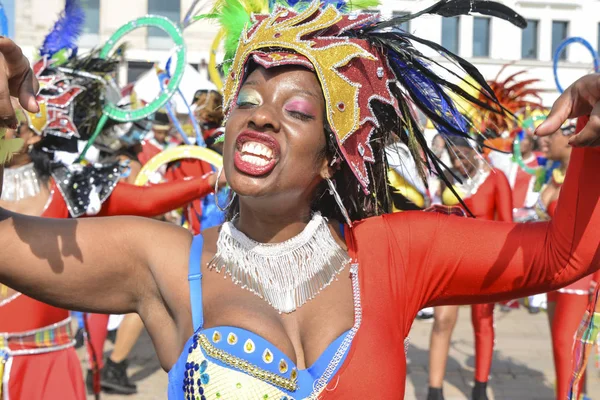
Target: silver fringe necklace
[[286, 275]]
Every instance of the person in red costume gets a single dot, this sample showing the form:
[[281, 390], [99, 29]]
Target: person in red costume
[[399, 263], [488, 196], [566, 306]]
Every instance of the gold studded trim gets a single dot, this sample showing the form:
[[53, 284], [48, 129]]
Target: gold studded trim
[[244, 366]]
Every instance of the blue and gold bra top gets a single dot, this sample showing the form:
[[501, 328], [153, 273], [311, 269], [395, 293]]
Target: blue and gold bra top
[[233, 363]]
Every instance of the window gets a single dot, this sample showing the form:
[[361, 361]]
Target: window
[[171, 9], [91, 25], [559, 33], [135, 69], [450, 35], [481, 37], [9, 10], [405, 26], [529, 40]]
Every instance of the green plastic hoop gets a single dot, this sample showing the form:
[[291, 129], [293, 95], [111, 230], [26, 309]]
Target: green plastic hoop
[[117, 114], [113, 112]]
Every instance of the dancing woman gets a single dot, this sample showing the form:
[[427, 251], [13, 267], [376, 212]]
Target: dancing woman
[[284, 326], [487, 194]]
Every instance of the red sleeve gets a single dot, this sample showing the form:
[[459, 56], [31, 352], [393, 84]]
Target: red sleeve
[[150, 201], [451, 260], [504, 203]]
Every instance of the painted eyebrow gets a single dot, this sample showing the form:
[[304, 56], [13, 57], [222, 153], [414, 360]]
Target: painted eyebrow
[[306, 92]]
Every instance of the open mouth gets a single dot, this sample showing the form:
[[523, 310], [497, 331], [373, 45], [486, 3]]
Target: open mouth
[[256, 153]]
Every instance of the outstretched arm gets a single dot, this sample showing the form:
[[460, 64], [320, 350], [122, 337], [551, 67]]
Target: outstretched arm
[[452, 260], [449, 260], [103, 264], [150, 201], [96, 264]]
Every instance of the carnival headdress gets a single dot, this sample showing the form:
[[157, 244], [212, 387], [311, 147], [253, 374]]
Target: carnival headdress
[[517, 96], [359, 60], [80, 101], [58, 46]]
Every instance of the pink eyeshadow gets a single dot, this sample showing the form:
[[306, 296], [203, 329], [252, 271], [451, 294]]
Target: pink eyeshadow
[[301, 106]]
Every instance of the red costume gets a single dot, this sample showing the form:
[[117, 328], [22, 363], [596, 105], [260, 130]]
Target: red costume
[[492, 201], [422, 259], [54, 372]]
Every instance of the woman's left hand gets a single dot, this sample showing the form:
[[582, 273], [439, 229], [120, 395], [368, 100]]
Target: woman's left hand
[[580, 99]]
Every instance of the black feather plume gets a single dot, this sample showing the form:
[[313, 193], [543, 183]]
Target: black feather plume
[[454, 8]]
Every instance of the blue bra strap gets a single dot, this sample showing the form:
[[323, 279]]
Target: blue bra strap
[[195, 279], [342, 230]]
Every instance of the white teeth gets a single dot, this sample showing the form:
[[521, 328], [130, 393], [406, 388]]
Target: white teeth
[[254, 160], [257, 149]]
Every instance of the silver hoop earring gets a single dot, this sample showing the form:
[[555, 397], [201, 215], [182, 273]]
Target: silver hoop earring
[[338, 200], [217, 191]]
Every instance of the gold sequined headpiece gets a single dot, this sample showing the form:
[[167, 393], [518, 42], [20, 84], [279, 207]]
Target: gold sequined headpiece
[[359, 60], [351, 72]]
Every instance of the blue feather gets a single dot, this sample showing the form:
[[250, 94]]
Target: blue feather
[[66, 30], [430, 94]]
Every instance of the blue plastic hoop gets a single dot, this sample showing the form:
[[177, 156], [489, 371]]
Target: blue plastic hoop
[[164, 76], [562, 47]]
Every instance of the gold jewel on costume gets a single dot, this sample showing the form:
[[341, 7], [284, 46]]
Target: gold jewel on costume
[[286, 275], [247, 367]]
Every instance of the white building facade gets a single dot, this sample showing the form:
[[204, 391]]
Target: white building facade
[[488, 43]]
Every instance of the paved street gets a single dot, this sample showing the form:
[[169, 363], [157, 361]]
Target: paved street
[[522, 368]]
